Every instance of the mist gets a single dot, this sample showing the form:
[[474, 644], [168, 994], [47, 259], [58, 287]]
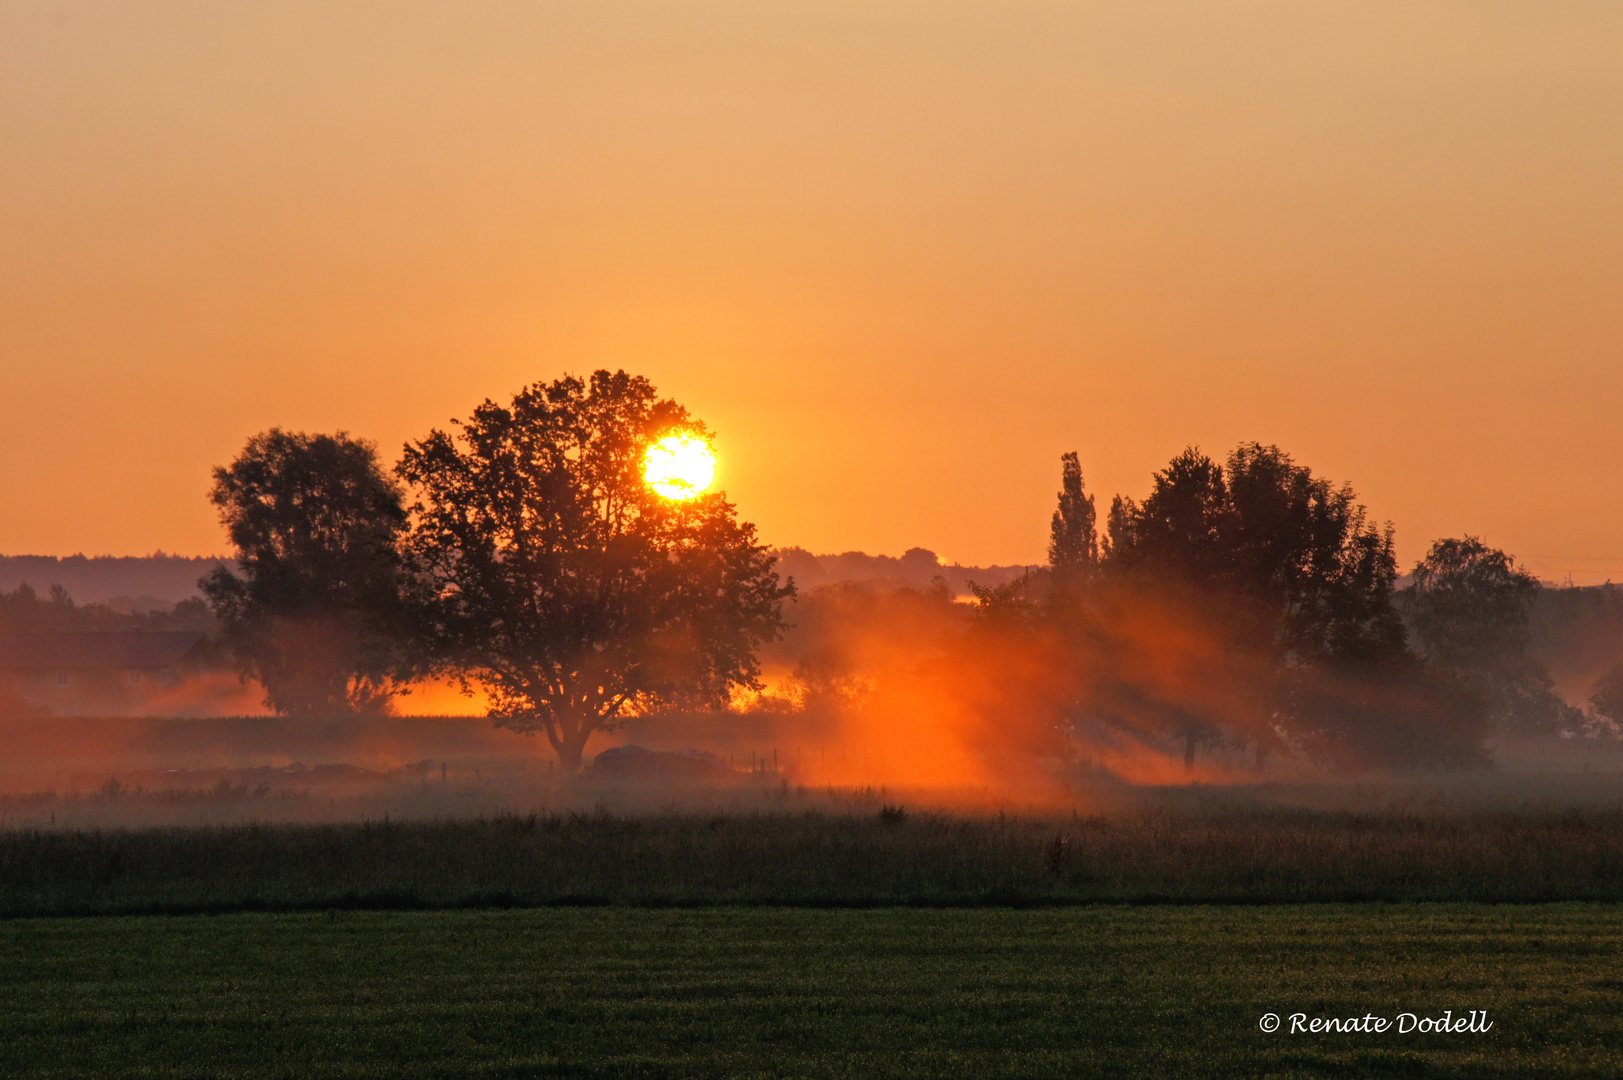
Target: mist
[[875, 693]]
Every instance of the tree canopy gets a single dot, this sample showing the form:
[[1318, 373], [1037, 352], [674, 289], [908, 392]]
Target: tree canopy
[[546, 571], [1470, 607], [313, 519], [1301, 570]]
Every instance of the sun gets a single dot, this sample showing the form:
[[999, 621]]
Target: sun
[[679, 466]]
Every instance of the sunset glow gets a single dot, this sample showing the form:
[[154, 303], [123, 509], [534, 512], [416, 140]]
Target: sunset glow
[[893, 489], [679, 466], [1129, 227]]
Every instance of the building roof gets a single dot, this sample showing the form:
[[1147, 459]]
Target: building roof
[[111, 649]]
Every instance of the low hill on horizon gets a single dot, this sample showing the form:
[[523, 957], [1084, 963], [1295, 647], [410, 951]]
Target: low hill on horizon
[[916, 568], [122, 582], [143, 582]]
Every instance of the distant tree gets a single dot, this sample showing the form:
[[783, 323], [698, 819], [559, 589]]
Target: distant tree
[[1607, 700], [827, 681], [312, 614], [549, 573], [1013, 605], [1073, 542], [1470, 606], [23, 611]]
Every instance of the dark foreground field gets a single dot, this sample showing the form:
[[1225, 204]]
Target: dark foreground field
[[881, 856], [1109, 990]]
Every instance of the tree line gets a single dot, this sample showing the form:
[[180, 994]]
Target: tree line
[[24, 611], [1251, 602], [1242, 603]]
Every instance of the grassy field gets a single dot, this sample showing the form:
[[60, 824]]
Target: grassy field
[[987, 992], [881, 857]]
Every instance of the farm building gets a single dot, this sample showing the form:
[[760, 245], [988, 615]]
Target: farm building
[[98, 673]]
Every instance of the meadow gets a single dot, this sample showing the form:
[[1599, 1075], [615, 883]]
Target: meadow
[[796, 992], [849, 854], [415, 925]]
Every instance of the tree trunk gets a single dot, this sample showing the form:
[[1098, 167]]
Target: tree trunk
[[569, 755], [571, 746]]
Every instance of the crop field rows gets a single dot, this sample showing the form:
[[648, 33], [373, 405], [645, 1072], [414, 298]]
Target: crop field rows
[[987, 992]]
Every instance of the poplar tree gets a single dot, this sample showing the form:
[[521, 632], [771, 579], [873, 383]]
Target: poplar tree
[[1073, 544]]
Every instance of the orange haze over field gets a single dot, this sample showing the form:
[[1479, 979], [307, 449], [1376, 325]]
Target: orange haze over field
[[899, 256]]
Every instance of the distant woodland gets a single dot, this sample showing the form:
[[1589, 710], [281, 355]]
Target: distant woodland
[[122, 583]]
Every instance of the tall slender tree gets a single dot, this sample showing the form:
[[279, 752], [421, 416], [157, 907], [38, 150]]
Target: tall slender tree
[[1073, 542]]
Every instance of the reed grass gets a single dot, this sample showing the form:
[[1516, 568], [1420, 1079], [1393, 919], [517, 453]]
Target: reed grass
[[819, 859]]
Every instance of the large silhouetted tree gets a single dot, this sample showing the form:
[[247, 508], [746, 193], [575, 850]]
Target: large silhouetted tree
[[548, 573], [1300, 570], [1470, 606], [310, 612]]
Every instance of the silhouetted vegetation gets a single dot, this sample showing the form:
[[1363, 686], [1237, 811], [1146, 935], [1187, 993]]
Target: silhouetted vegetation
[[915, 568], [1242, 605], [1607, 700], [882, 854], [1470, 607], [1073, 542], [121, 582], [549, 573], [24, 611], [312, 612]]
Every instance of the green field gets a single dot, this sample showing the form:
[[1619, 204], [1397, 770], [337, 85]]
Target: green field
[[984, 992]]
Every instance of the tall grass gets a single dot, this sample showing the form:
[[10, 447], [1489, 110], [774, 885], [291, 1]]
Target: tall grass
[[815, 858]]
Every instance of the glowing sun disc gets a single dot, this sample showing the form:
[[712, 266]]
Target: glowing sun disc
[[679, 466]]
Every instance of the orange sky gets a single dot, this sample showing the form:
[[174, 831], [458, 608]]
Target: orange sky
[[900, 256]]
